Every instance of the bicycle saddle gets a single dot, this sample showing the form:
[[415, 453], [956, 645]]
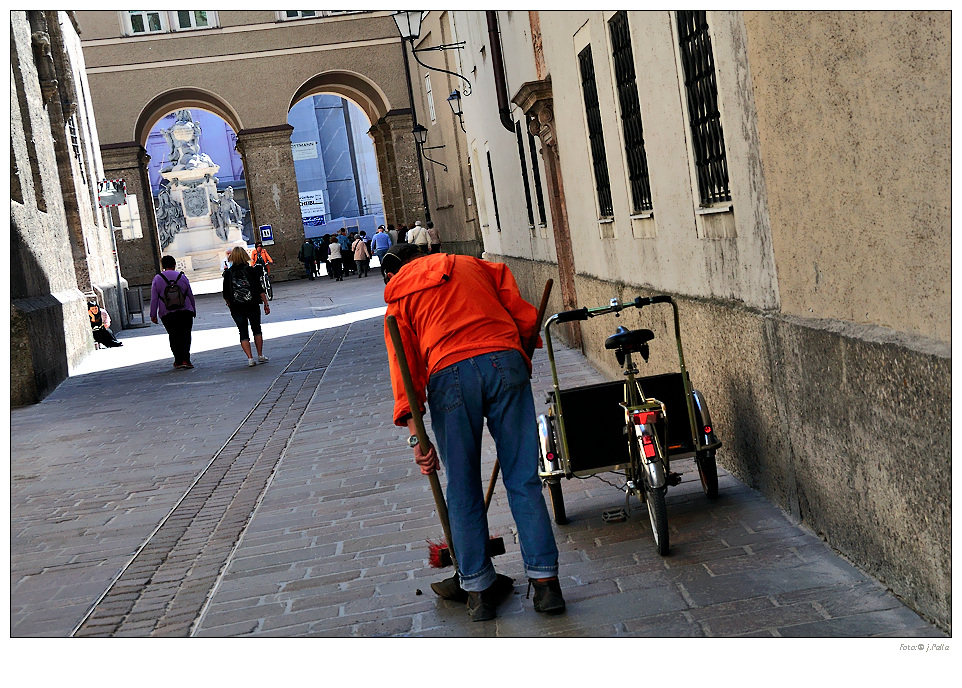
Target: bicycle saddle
[[629, 340]]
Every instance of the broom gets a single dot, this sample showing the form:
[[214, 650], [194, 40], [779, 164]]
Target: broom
[[440, 554]]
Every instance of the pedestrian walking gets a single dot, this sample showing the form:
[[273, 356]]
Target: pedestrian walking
[[172, 300], [381, 243], [325, 253], [306, 256], [462, 321], [434, 238], [362, 254], [334, 256], [100, 326], [392, 232], [347, 256], [402, 234], [244, 294], [419, 237]]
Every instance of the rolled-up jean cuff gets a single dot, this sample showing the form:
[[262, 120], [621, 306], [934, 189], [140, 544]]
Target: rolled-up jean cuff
[[541, 571], [482, 580]]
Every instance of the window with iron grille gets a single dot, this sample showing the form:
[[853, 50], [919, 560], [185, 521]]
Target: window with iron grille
[[524, 173], [539, 194], [596, 136], [494, 194], [708, 139], [75, 145], [624, 64]]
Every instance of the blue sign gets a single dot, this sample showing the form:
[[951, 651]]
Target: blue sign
[[267, 235]]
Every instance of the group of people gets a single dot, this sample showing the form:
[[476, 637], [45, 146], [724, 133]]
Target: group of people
[[172, 301], [345, 254]]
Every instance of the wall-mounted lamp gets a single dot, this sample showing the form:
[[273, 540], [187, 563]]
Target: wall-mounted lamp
[[420, 138], [454, 100], [409, 26]]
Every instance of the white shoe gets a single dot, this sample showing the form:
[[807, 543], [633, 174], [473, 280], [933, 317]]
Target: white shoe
[[251, 363], [262, 359]]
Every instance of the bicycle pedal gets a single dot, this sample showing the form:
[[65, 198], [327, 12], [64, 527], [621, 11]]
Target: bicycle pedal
[[614, 515], [673, 478]]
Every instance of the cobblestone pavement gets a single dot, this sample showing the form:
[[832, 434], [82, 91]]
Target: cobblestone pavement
[[281, 501]]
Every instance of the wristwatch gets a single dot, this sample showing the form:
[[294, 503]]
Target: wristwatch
[[413, 441]]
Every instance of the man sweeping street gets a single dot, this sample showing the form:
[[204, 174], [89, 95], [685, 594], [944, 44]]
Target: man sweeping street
[[462, 322]]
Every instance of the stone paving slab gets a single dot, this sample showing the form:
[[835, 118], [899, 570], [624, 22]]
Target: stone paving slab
[[348, 483], [336, 545]]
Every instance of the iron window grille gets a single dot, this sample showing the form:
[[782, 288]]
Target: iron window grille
[[539, 194], [708, 139], [75, 145], [494, 193], [631, 125], [596, 135], [524, 173]]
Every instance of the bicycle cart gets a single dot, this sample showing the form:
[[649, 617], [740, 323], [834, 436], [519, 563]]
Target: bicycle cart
[[635, 426]]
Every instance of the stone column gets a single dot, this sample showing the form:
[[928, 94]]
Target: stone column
[[272, 193], [535, 99], [139, 257], [397, 167]]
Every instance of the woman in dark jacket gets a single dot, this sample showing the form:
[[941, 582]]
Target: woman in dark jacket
[[244, 294]]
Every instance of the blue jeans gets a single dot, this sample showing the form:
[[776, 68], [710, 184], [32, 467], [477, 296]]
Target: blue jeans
[[380, 253], [493, 386]]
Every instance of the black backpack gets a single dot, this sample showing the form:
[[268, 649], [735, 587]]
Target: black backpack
[[174, 296], [240, 285]]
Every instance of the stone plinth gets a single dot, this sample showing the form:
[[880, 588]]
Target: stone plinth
[[198, 248]]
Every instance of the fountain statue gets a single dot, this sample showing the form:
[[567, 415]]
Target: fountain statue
[[196, 223]]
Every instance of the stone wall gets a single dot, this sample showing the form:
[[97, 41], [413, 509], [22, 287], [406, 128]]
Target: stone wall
[[845, 427], [49, 329]]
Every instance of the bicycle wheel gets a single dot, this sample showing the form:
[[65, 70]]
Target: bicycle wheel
[[658, 515], [557, 501], [708, 472], [268, 287]]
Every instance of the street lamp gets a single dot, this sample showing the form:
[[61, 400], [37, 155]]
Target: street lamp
[[409, 27], [408, 23], [454, 100], [420, 135]]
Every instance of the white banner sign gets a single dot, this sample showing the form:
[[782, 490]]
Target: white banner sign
[[304, 150], [312, 203]]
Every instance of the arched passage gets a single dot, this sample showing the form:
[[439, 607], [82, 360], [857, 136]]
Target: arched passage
[[391, 132], [183, 99], [365, 94]]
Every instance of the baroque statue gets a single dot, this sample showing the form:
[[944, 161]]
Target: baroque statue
[[183, 142], [170, 218]]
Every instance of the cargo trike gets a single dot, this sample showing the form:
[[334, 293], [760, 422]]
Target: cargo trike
[[634, 427]]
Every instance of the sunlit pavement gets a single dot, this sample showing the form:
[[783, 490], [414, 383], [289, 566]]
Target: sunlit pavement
[[280, 500]]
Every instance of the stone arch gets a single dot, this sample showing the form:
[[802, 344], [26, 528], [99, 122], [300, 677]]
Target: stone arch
[[361, 91], [182, 99]]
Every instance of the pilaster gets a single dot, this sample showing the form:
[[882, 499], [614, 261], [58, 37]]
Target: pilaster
[[397, 166], [272, 193], [536, 100], [139, 257]]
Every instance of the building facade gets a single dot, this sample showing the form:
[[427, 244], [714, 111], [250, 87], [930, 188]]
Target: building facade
[[249, 68], [61, 240], [785, 177]]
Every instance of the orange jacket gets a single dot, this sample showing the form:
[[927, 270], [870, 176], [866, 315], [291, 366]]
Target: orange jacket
[[265, 256], [450, 308]]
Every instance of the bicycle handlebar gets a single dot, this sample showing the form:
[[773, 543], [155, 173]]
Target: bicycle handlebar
[[615, 307]]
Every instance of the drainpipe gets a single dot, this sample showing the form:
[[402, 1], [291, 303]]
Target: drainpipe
[[497, 62]]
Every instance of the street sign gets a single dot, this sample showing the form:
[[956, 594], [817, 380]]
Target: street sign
[[267, 235]]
